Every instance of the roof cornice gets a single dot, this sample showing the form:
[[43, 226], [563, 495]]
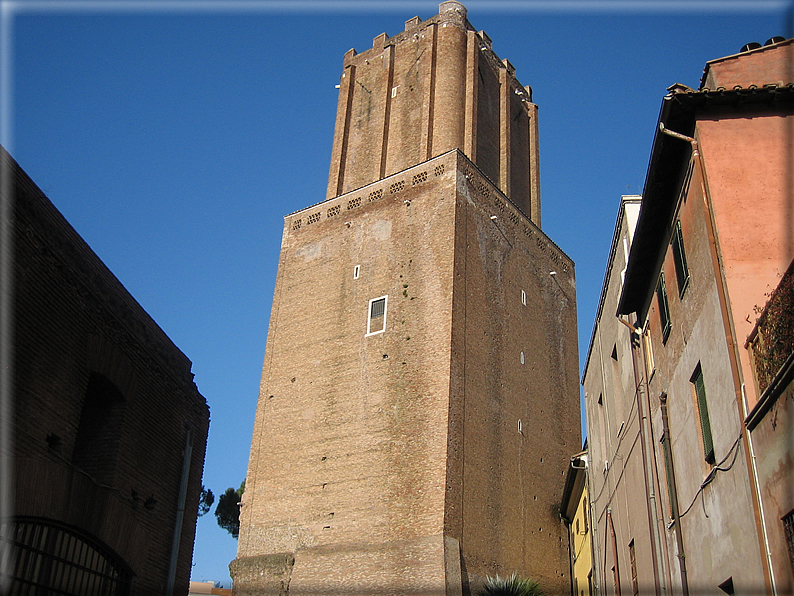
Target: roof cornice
[[680, 110]]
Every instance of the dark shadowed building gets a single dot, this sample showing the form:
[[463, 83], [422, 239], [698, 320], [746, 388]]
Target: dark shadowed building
[[108, 429]]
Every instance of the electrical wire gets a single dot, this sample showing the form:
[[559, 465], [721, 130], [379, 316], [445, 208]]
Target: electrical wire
[[713, 474]]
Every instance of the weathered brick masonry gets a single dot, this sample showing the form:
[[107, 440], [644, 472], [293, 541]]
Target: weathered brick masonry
[[419, 450], [104, 412]]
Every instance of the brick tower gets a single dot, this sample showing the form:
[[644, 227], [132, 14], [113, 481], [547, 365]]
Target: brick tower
[[419, 396]]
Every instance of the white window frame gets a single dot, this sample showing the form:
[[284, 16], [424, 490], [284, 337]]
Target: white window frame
[[523, 297], [356, 271], [369, 315]]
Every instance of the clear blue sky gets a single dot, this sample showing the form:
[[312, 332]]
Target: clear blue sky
[[174, 136]]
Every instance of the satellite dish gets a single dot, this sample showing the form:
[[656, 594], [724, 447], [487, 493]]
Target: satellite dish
[[753, 45]]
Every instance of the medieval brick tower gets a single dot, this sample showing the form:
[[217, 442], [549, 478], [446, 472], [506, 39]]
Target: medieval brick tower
[[419, 396]]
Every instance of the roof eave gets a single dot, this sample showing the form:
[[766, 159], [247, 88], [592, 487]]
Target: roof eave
[[668, 155]]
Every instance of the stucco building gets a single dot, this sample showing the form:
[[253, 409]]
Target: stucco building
[[107, 428], [418, 404], [615, 463], [771, 426], [669, 385]]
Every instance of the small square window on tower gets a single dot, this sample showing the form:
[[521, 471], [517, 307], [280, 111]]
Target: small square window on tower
[[376, 322]]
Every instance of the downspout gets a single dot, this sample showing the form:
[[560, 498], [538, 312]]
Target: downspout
[[732, 354], [658, 515], [640, 387], [180, 511], [760, 502], [679, 540]]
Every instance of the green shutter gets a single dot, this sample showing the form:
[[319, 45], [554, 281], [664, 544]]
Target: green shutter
[[679, 257], [664, 308], [703, 409]]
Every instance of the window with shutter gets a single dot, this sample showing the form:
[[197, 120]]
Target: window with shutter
[[703, 410], [679, 257], [664, 309]]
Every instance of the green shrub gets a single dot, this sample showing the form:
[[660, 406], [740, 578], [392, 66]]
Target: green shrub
[[510, 586]]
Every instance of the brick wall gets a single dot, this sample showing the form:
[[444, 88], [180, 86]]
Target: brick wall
[[79, 340], [374, 448]]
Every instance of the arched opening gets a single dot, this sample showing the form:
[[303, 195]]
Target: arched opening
[[97, 442], [51, 558]]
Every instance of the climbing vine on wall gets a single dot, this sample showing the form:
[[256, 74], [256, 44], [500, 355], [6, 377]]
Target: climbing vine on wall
[[774, 341]]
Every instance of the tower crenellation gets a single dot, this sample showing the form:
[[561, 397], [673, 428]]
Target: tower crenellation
[[434, 87]]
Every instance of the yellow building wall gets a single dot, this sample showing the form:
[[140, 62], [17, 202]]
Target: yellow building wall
[[581, 547]]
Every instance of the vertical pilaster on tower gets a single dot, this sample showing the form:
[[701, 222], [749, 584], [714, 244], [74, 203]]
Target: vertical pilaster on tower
[[450, 98], [473, 41], [504, 129], [534, 159]]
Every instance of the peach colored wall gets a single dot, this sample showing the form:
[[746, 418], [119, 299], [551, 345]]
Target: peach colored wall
[[770, 65], [752, 209]]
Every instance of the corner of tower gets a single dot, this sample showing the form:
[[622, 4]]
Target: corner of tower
[[452, 6]]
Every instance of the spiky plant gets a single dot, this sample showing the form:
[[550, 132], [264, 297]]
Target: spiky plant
[[510, 586]]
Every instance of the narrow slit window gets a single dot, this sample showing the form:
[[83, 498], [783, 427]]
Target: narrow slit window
[[664, 308], [523, 297], [376, 323], [356, 271], [521, 357], [699, 388], [679, 257]]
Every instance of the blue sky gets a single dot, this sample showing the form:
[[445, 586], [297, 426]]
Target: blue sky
[[174, 136]]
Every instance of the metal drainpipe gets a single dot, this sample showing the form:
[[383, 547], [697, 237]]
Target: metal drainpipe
[[658, 517], [640, 386], [679, 540], [180, 511], [760, 502], [733, 355]]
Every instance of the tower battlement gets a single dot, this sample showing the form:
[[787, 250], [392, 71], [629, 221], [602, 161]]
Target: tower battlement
[[436, 86]]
